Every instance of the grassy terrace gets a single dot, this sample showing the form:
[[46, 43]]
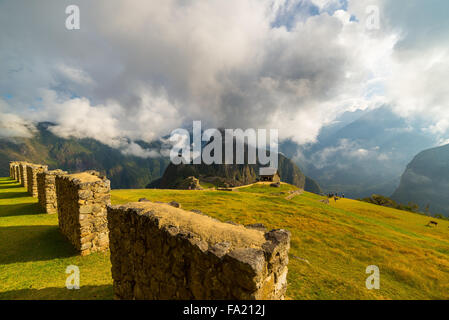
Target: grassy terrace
[[331, 245]]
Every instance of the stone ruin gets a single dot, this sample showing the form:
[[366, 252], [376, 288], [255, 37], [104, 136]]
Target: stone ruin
[[12, 170], [32, 171], [82, 199], [162, 252], [17, 169], [189, 183], [23, 174], [47, 190]]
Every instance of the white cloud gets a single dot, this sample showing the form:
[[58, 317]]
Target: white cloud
[[347, 150], [12, 125], [138, 70], [76, 75], [136, 150]]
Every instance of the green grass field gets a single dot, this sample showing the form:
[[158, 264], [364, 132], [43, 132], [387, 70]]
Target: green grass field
[[331, 245]]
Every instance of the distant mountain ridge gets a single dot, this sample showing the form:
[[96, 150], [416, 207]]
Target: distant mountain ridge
[[362, 153], [234, 175], [127, 171], [426, 181], [75, 155]]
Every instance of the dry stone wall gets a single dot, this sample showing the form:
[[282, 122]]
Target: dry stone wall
[[12, 170], [23, 174], [32, 171], [81, 201], [17, 174], [47, 190], [162, 252]]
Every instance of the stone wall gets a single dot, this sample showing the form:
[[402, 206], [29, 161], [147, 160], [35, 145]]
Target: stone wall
[[32, 171], [161, 252], [81, 201], [23, 174], [47, 190], [16, 171], [12, 170], [18, 178]]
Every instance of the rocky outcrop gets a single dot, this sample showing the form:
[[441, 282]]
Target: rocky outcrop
[[81, 201], [227, 175], [47, 190], [162, 252], [190, 183]]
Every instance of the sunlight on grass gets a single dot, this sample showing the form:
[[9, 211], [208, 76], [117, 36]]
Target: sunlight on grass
[[331, 245], [34, 255]]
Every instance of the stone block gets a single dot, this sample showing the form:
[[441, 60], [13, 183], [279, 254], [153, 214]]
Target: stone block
[[162, 252], [82, 199]]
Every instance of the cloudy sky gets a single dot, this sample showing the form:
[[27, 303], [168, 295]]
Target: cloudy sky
[[139, 69]]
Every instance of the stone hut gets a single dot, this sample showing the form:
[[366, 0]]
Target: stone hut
[[32, 171], [162, 252], [47, 190], [81, 201], [269, 175]]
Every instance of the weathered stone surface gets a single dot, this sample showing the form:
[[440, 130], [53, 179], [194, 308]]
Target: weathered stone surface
[[189, 183], [32, 171], [162, 252], [47, 190], [17, 168], [81, 205], [175, 204], [13, 170], [23, 174], [257, 226]]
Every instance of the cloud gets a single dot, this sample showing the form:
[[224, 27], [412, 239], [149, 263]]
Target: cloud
[[420, 62], [414, 178], [76, 75], [110, 123], [136, 150], [11, 125], [346, 151], [137, 70]]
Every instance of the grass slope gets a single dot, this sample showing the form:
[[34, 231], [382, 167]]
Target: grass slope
[[331, 245]]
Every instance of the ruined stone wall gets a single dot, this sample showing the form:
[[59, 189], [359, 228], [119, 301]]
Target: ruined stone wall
[[16, 171], [47, 190], [23, 174], [17, 175], [81, 201], [161, 252], [32, 171], [12, 170]]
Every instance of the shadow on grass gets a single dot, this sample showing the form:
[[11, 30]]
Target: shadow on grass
[[10, 185], [33, 243], [20, 209], [102, 292], [11, 195]]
